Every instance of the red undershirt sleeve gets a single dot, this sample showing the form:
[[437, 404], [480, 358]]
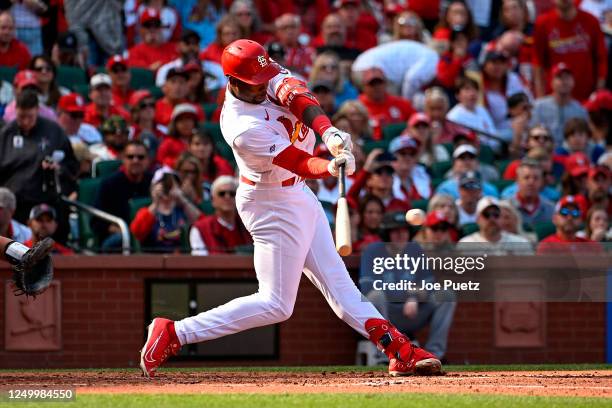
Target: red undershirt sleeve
[[301, 163], [320, 123]]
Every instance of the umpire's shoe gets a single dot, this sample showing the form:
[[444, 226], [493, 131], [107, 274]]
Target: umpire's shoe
[[160, 345]]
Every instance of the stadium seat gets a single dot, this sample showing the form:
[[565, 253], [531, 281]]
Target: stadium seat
[[544, 229], [214, 130], [435, 182], [486, 154], [155, 92], [393, 130], [372, 144], [501, 166], [83, 90], [142, 78], [421, 204], [439, 169], [88, 191], [69, 77], [469, 228], [206, 207], [449, 148], [138, 203], [7, 73], [502, 184], [209, 109], [106, 167]]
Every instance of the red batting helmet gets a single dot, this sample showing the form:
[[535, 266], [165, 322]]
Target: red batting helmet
[[249, 62]]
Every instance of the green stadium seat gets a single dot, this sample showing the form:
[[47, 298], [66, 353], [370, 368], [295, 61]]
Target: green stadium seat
[[206, 207], [7, 73], [87, 193], [502, 165], [544, 229], [106, 167], [372, 144], [439, 169], [142, 78], [83, 90], [421, 204], [449, 148], [156, 92], [69, 77], [435, 182], [138, 203], [468, 229], [486, 154], [209, 109], [88, 190], [213, 130], [502, 184], [393, 130]]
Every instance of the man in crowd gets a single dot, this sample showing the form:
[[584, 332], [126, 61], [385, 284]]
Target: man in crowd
[[223, 231], [36, 160], [9, 227], [43, 222], [26, 80], [556, 109], [298, 57], [175, 92], [13, 53], [152, 52], [598, 184], [470, 192], [101, 106], [528, 200], [571, 36], [117, 68], [131, 181], [115, 136], [490, 238], [70, 115], [465, 158]]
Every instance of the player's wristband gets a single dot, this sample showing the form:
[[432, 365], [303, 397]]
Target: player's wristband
[[15, 251], [320, 124]]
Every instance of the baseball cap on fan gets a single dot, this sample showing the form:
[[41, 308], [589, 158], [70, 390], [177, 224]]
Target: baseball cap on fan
[[435, 218], [486, 202], [42, 209], [72, 103], [99, 80], [561, 68], [149, 16], [577, 164], [25, 78]]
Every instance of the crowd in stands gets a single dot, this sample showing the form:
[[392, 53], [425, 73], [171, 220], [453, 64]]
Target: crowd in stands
[[492, 116]]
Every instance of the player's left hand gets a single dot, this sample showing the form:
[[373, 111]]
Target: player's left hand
[[337, 140], [345, 158]]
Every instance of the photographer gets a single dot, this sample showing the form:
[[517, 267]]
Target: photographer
[[36, 161]]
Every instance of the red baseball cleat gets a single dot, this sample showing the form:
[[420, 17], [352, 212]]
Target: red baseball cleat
[[160, 345], [421, 362]]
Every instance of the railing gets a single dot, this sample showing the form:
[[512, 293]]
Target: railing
[[125, 232]]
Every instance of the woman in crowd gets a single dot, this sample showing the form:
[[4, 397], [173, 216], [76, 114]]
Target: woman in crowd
[[408, 26], [597, 226], [182, 125], [457, 17], [436, 107], [189, 172], [212, 164], [196, 84], [455, 62], [511, 221], [371, 211], [248, 18], [160, 226], [357, 116], [577, 139], [446, 205], [46, 73], [326, 67], [228, 31], [143, 125]]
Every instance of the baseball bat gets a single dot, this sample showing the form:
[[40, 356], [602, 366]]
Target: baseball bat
[[343, 224]]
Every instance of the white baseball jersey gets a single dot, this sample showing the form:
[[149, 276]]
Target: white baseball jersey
[[259, 132]]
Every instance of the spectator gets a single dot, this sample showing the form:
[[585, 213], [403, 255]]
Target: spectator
[[436, 108], [159, 226], [371, 211], [407, 25], [383, 108], [361, 25], [6, 95], [223, 231], [464, 160], [298, 57], [114, 138], [66, 51], [455, 62], [143, 126], [202, 146], [598, 186], [456, 17], [333, 37], [182, 125], [175, 93], [555, 110], [325, 95], [85, 159], [377, 178], [10, 227], [313, 14], [419, 127], [411, 311], [597, 225], [96, 24], [131, 181], [70, 115], [499, 83], [577, 135], [117, 68], [519, 119], [46, 75], [532, 205], [189, 173], [573, 37], [490, 237], [437, 232], [43, 223], [410, 181], [568, 217], [488, 172], [511, 221], [247, 16], [445, 204], [13, 53], [26, 81], [542, 159], [599, 107], [153, 52], [228, 31], [470, 192], [357, 116], [101, 106], [188, 49], [326, 67], [201, 17], [470, 113], [407, 65], [577, 167], [36, 160], [170, 21]]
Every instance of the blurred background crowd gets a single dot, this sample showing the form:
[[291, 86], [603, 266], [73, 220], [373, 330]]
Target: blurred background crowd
[[492, 116]]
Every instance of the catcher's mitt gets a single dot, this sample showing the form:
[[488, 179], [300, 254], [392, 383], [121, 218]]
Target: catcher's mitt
[[34, 273]]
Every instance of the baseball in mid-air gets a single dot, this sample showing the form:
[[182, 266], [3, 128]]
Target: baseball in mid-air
[[416, 216]]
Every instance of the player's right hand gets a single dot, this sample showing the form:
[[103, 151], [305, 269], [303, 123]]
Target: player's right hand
[[344, 157]]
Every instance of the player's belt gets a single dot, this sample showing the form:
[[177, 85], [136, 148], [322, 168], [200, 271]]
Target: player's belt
[[285, 183]]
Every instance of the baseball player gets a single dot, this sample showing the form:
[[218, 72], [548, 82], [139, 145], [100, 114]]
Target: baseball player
[[269, 118]]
